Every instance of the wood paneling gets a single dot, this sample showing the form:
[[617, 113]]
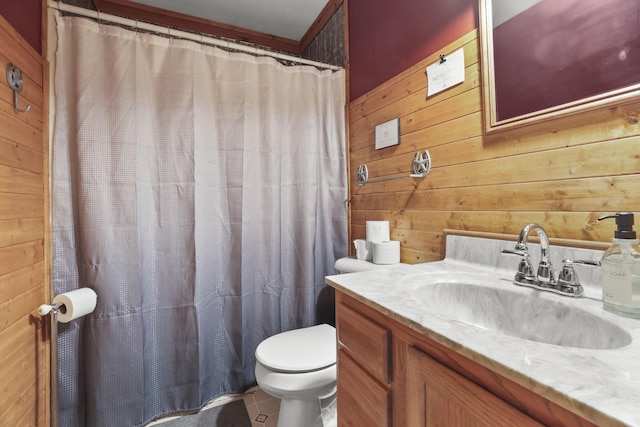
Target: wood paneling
[[24, 342], [562, 174]]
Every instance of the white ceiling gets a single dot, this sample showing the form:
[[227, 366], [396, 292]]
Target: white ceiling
[[503, 10], [285, 18]]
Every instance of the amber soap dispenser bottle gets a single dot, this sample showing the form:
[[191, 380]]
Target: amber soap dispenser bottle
[[621, 269]]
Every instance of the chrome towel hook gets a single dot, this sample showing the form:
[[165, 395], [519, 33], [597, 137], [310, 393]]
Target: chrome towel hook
[[14, 78]]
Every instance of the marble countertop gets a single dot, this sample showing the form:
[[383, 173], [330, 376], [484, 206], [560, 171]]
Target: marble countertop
[[602, 386]]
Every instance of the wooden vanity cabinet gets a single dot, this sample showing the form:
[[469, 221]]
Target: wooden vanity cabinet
[[364, 383], [390, 375], [362, 401]]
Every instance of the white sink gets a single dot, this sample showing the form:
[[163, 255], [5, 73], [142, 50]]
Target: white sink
[[517, 312]]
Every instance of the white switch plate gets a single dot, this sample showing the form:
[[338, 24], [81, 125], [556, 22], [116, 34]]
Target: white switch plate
[[388, 134]]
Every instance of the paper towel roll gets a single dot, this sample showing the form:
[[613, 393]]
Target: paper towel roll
[[377, 231], [364, 250], [74, 304], [386, 252]]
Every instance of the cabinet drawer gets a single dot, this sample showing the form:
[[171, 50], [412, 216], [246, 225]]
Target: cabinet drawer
[[438, 396], [362, 401], [366, 341]]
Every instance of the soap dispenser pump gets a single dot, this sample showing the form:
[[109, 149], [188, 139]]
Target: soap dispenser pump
[[621, 269]]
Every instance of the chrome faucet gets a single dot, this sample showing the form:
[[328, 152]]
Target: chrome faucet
[[524, 276], [545, 278]]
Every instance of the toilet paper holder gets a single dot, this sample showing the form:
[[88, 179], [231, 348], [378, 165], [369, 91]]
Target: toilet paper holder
[[45, 309], [421, 166], [71, 305]]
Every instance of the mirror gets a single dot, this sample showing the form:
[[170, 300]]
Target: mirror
[[544, 59]]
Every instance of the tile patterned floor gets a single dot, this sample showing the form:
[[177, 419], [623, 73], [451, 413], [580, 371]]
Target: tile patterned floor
[[262, 408]]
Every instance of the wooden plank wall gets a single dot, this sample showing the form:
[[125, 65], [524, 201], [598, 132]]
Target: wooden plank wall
[[24, 341], [562, 174]]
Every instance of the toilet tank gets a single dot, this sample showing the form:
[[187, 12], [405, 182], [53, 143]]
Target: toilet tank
[[353, 265], [325, 305]]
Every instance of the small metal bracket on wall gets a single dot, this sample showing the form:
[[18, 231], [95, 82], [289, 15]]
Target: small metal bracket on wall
[[421, 165], [14, 78]]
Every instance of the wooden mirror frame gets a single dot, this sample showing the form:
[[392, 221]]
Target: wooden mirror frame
[[491, 122]]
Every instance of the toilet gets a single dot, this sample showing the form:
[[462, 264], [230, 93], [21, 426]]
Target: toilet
[[299, 366]]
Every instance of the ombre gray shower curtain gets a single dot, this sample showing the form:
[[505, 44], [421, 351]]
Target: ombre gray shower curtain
[[201, 194]]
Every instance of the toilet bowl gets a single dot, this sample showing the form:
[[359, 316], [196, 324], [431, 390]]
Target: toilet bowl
[[299, 366]]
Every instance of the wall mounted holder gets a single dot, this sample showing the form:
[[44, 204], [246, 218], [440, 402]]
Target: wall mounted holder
[[44, 310], [421, 165], [14, 79]]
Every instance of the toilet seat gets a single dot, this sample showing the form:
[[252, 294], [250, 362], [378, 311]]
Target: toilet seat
[[299, 350]]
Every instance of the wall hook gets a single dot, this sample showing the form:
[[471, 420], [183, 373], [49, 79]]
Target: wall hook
[[14, 78]]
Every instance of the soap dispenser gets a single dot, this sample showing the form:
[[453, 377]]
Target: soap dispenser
[[621, 269]]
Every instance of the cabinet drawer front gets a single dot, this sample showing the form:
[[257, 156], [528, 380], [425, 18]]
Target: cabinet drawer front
[[438, 396], [367, 342], [362, 401]]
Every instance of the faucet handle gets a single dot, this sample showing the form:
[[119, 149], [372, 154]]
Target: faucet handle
[[521, 249], [568, 278], [519, 252], [569, 262], [525, 269]]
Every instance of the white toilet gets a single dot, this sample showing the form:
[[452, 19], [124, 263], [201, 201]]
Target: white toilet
[[299, 366]]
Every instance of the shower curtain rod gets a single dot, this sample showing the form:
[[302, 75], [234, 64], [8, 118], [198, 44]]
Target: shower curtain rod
[[182, 34]]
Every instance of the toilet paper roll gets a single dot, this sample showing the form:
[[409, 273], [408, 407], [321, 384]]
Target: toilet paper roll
[[74, 304], [377, 231], [386, 252], [364, 250]]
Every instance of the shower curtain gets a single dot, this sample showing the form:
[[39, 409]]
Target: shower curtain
[[201, 194]]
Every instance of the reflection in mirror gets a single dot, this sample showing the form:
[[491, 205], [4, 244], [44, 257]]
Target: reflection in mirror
[[546, 58]]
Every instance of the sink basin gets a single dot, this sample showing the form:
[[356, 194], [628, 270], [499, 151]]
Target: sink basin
[[525, 315]]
